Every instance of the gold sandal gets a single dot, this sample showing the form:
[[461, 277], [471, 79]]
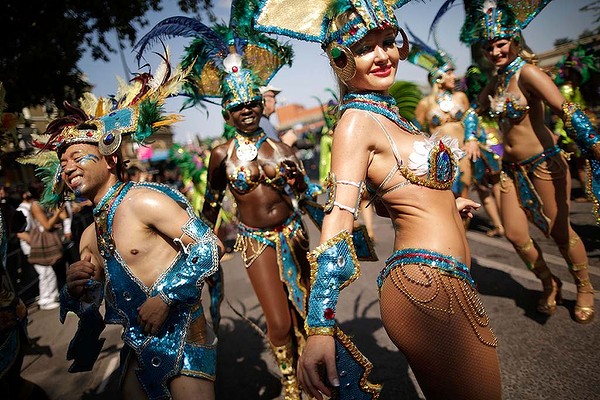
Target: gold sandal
[[542, 272], [546, 307], [586, 312]]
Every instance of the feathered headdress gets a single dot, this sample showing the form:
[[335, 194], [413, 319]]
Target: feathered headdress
[[136, 110], [318, 23], [579, 59], [435, 61], [498, 19], [335, 24], [228, 62]]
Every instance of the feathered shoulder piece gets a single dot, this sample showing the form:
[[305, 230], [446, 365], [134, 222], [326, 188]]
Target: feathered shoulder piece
[[497, 19], [228, 61]]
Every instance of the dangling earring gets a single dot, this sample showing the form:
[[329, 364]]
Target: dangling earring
[[403, 51], [342, 61]]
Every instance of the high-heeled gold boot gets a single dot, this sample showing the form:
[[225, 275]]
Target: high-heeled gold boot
[[286, 361], [543, 273], [583, 314]]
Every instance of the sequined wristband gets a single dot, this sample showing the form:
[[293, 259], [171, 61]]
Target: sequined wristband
[[471, 124], [77, 306], [333, 267], [578, 125]]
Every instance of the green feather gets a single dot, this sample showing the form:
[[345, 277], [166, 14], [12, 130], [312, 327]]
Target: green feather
[[150, 111], [407, 95]]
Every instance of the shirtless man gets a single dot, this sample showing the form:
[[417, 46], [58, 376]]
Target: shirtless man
[[147, 255]]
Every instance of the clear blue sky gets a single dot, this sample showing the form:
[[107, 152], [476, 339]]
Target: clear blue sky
[[310, 73]]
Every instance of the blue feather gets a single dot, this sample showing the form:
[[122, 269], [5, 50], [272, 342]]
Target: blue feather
[[418, 42], [448, 4], [185, 27]]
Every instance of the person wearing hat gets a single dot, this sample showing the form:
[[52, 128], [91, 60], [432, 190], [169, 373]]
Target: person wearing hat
[[269, 93], [147, 254]]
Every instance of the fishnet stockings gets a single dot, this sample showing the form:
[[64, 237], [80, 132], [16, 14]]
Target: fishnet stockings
[[440, 325]]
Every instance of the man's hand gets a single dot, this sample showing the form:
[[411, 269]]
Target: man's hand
[[78, 275], [152, 314], [318, 353]]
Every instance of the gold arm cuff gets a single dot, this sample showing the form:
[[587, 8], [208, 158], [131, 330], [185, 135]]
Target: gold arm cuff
[[319, 331]]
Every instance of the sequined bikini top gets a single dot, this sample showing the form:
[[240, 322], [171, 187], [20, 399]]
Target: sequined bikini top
[[246, 177], [448, 111], [508, 106], [433, 163]]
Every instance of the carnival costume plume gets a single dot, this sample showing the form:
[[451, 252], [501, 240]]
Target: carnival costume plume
[[137, 110], [580, 60], [228, 61], [492, 20], [435, 61]]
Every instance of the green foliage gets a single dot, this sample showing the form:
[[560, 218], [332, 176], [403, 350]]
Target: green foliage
[[407, 95], [44, 40]]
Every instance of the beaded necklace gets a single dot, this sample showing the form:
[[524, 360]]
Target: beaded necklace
[[378, 103], [505, 74], [108, 197], [246, 147], [100, 213]]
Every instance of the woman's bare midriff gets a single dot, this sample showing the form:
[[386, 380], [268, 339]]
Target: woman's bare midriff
[[428, 219], [263, 207]]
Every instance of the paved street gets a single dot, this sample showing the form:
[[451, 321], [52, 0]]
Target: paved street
[[541, 358]]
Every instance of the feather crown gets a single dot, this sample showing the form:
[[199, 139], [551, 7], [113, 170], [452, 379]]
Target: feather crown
[[498, 19], [136, 110], [229, 61], [319, 23]]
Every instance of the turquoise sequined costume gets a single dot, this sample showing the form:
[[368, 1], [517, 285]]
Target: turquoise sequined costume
[[184, 345]]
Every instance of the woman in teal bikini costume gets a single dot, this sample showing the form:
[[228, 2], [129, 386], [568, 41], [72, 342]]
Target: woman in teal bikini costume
[[265, 178], [535, 182], [429, 304], [444, 108]]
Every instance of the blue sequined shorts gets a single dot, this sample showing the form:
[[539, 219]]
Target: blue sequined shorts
[[447, 265]]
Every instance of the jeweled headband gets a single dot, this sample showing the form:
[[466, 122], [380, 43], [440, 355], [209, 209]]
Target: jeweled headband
[[136, 111]]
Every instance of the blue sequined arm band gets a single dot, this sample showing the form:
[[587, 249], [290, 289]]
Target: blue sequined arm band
[[333, 267], [579, 127], [202, 260], [86, 345], [470, 122]]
